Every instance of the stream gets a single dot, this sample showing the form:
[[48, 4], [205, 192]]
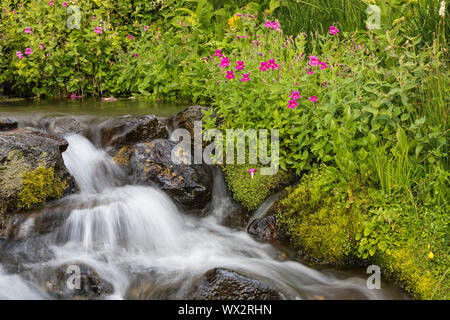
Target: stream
[[138, 240]]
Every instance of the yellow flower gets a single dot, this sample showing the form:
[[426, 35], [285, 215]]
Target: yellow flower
[[233, 22], [431, 255]]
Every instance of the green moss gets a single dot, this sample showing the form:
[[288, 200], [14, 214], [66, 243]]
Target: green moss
[[252, 192], [329, 222], [39, 185]]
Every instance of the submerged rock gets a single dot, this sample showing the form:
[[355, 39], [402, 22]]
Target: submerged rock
[[125, 131], [224, 284], [266, 229], [151, 163], [66, 283], [31, 170], [61, 126], [7, 124]]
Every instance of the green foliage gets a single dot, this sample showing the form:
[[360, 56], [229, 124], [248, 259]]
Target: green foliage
[[39, 185], [252, 192]]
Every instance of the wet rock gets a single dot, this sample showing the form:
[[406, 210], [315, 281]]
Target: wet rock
[[151, 163], [66, 283], [37, 156], [237, 218], [224, 284], [266, 229], [7, 124], [61, 126], [129, 130], [186, 118]]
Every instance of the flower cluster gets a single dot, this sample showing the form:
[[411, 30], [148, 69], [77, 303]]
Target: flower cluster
[[293, 102], [269, 64], [333, 30], [272, 25], [314, 62]]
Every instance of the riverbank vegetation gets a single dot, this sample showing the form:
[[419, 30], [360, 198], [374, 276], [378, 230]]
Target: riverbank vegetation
[[362, 114]]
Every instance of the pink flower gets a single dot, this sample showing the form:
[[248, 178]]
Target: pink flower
[[27, 30], [130, 36], [313, 99], [264, 66], [225, 62], [41, 47], [136, 55], [98, 30], [19, 54], [333, 30], [295, 95], [310, 71], [245, 77], [28, 51], [272, 25], [51, 3], [313, 61], [230, 75], [240, 65], [292, 104], [218, 53], [64, 4], [323, 65], [251, 171], [73, 96], [271, 63], [146, 28]]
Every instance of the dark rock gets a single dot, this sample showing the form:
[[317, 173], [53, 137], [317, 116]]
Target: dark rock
[[237, 218], [7, 124], [129, 130], [61, 126], [30, 151], [224, 284], [266, 229], [151, 163], [62, 283], [186, 118]]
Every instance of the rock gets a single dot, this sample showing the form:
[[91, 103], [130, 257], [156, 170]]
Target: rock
[[7, 124], [61, 126], [62, 283], [224, 284], [186, 118], [31, 170], [129, 130], [151, 163], [237, 218], [266, 229]]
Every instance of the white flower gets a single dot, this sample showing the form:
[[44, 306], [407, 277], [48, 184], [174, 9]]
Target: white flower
[[442, 9]]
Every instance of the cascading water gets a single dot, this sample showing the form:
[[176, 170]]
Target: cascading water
[[136, 238]]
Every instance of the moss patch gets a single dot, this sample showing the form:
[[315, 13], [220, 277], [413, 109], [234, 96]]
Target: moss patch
[[328, 222], [252, 192], [39, 185]]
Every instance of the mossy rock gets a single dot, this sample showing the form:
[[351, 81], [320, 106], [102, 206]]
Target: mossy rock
[[251, 192]]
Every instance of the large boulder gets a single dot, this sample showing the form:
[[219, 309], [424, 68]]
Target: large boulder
[[7, 124], [128, 130], [31, 170], [224, 284], [151, 163]]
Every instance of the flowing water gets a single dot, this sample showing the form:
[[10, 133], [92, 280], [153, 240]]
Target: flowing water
[[137, 239]]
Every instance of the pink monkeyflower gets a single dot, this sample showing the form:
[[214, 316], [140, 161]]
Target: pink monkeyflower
[[313, 99], [218, 53], [98, 30], [272, 64], [323, 65], [310, 71], [146, 28], [136, 55], [230, 75], [292, 104], [275, 25], [27, 30], [333, 30], [264, 66], [313, 61], [28, 51], [130, 36], [64, 4], [156, 28], [295, 95], [19, 54], [252, 172], [41, 47], [268, 24], [240, 65], [225, 62], [245, 77], [51, 3], [73, 96]]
